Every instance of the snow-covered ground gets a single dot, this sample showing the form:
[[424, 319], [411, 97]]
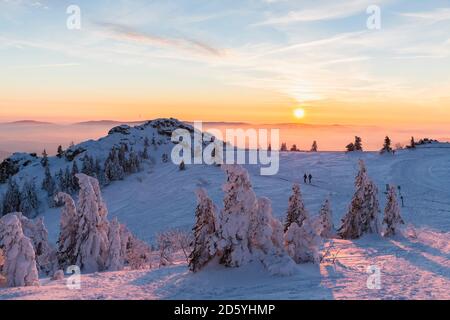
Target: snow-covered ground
[[413, 266]]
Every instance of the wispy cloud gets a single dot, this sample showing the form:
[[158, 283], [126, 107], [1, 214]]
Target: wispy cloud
[[437, 15], [320, 11], [122, 32], [39, 66]]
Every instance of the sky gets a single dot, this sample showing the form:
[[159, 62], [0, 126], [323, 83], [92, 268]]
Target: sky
[[247, 60]]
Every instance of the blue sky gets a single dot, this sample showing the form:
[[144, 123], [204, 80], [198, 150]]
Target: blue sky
[[194, 52]]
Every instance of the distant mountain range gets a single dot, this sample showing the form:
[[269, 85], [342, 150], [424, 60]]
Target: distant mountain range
[[26, 122]]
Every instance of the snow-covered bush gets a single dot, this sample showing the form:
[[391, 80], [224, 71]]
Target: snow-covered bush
[[266, 240], [324, 222], [136, 252], [296, 211], [166, 247], [205, 232], [303, 243], [239, 206], [392, 216], [20, 261], [362, 215]]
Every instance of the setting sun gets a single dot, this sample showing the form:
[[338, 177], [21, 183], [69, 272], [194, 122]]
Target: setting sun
[[299, 113]]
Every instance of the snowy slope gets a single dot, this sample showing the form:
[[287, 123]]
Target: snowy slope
[[416, 266]]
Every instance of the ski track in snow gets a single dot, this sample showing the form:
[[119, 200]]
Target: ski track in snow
[[414, 266]]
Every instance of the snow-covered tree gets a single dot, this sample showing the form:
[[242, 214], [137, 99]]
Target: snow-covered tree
[[392, 215], [88, 166], [296, 211], [314, 147], [132, 164], [303, 243], [38, 234], [205, 232], [358, 144], [386, 146], [413, 143], [48, 184], [29, 202], [67, 240], [44, 160], [73, 179], [20, 261], [240, 205], [60, 152], [362, 216], [325, 227], [116, 258], [92, 234], [266, 240], [113, 168], [11, 200], [350, 147]]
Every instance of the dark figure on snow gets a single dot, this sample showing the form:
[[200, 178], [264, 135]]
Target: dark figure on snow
[[305, 178], [310, 178]]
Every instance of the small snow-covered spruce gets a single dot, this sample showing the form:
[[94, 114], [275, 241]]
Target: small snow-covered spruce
[[392, 216], [44, 160], [350, 147], [73, 180], [29, 202], [314, 147], [49, 184], [92, 234], [11, 201], [413, 143], [296, 211], [67, 240], [113, 167], [358, 144], [205, 232], [386, 146], [20, 261], [325, 227], [60, 152], [37, 233], [362, 215], [303, 243], [240, 205]]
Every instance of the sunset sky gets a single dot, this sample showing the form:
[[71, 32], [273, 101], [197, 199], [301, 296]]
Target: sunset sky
[[249, 60]]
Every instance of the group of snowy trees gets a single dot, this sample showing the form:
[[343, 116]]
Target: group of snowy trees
[[363, 212], [23, 200], [355, 146], [121, 162], [245, 229], [294, 148], [87, 239]]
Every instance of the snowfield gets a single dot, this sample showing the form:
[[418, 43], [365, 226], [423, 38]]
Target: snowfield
[[415, 265]]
